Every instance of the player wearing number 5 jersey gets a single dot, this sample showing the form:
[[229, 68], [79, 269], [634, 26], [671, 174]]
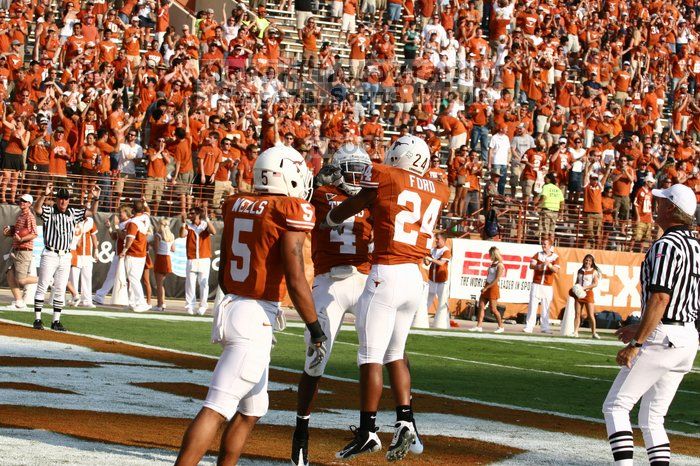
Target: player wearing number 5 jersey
[[261, 257], [405, 206], [341, 264]]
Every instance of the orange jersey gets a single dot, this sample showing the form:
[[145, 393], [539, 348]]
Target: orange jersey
[[253, 227], [330, 248], [544, 277], [139, 247], [198, 244], [83, 237], [439, 273], [405, 212]]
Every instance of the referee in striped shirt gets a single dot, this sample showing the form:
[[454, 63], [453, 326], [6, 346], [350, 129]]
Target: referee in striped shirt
[[59, 223], [662, 347]]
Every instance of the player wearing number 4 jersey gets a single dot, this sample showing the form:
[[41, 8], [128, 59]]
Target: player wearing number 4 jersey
[[261, 255], [405, 206], [341, 264]]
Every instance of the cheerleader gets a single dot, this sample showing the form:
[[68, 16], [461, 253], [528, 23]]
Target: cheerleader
[[587, 277], [164, 245], [491, 292]]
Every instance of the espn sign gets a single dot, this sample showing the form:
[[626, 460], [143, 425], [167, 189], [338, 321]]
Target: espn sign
[[471, 261], [477, 264], [618, 288]]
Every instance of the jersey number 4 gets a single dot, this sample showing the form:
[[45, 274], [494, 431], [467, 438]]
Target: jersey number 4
[[405, 230], [346, 238]]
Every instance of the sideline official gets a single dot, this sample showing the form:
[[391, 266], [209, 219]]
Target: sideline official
[[662, 347], [54, 269]]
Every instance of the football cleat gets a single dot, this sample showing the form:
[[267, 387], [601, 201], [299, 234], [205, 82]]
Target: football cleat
[[38, 324], [417, 445], [57, 326], [300, 449], [404, 435], [365, 441]]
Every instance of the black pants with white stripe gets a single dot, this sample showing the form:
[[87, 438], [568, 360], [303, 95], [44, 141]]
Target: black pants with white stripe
[[654, 377]]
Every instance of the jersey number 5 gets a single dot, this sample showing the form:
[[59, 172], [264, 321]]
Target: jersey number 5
[[412, 217], [240, 265]]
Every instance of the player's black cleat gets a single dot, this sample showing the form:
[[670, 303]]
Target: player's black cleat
[[300, 449], [365, 441], [57, 326], [38, 324]]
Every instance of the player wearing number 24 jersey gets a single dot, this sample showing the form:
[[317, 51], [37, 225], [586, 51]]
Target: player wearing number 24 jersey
[[405, 206], [341, 264], [261, 257]]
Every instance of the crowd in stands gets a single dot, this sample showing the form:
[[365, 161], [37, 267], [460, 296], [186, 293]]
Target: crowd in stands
[[599, 94]]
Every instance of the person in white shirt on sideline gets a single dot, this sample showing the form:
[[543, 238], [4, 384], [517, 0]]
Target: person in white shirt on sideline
[[438, 280], [198, 229]]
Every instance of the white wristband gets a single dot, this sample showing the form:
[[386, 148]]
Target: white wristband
[[330, 222]]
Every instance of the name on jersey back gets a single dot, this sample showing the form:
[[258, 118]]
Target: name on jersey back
[[247, 206], [423, 184]]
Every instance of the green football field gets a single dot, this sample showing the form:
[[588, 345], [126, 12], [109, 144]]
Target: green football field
[[569, 377]]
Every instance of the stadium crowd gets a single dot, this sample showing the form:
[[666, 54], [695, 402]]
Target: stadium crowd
[[599, 95]]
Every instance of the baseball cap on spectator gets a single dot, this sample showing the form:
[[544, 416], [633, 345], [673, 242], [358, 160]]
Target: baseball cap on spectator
[[563, 140], [15, 42], [608, 114], [27, 198], [63, 193], [60, 130], [431, 127], [419, 129], [375, 112], [594, 175], [680, 195], [649, 178]]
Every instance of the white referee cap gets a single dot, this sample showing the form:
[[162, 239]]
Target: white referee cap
[[680, 195]]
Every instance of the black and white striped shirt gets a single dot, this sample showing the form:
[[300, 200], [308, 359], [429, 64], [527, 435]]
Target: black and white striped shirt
[[672, 265], [59, 226]]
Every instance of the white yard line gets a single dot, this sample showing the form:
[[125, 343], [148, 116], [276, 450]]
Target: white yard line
[[462, 333]]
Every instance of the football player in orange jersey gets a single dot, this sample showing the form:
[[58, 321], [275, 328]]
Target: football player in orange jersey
[[263, 231], [405, 206], [341, 265]]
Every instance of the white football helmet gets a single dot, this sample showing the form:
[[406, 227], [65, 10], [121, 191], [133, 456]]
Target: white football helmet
[[282, 170], [410, 153], [352, 160]]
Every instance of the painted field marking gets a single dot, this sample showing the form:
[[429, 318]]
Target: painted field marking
[[346, 379], [442, 333]]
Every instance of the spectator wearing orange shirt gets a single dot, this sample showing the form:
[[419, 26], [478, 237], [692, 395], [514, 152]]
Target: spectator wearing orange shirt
[[209, 158], [244, 179], [309, 38], [158, 160], [183, 177], [623, 178], [643, 214], [479, 113], [13, 157]]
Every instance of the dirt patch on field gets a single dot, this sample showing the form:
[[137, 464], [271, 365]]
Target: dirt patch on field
[[12, 361], [163, 432], [343, 395], [31, 387]]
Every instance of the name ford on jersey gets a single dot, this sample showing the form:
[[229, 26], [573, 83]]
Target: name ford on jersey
[[421, 183]]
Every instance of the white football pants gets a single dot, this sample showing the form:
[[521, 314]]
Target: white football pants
[[333, 298], [134, 271], [56, 268], [385, 312], [441, 291], [197, 274], [108, 284], [81, 278], [539, 294], [655, 375]]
